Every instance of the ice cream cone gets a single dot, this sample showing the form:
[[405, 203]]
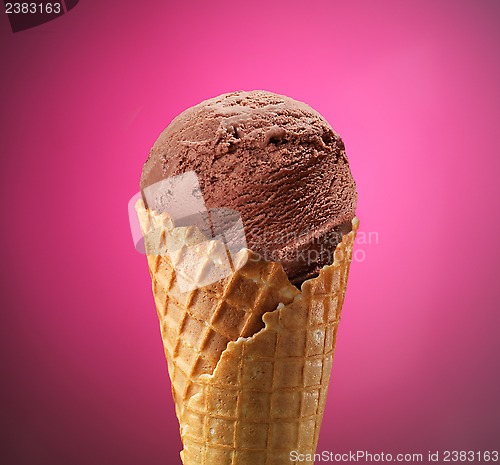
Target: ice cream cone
[[249, 356]]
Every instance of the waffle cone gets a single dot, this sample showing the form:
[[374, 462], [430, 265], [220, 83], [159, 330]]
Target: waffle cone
[[249, 356]]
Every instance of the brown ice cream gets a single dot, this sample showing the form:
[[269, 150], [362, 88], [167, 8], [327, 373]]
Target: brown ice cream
[[274, 160]]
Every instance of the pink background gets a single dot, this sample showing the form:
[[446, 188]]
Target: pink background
[[413, 89]]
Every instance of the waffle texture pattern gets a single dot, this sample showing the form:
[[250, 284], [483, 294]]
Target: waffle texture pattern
[[250, 355]]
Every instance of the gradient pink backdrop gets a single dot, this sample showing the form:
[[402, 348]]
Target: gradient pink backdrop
[[413, 89]]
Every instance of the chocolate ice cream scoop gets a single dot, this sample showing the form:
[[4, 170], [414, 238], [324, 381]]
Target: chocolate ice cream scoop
[[274, 160]]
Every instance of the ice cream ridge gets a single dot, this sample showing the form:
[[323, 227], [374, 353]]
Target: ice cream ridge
[[250, 354]]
